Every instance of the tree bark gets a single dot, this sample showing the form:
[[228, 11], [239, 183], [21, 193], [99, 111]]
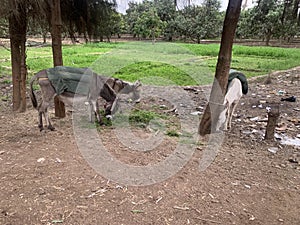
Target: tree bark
[[273, 116], [215, 105], [268, 38], [56, 24], [17, 31], [22, 107], [295, 9]]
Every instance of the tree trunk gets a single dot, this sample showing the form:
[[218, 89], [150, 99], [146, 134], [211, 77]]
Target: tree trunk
[[44, 37], [268, 38], [295, 9], [23, 73], [17, 31], [56, 24], [16, 64], [212, 111]]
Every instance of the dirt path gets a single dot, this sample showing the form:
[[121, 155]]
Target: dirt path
[[44, 179]]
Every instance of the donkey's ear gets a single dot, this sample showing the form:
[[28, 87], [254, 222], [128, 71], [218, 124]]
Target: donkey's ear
[[137, 84]]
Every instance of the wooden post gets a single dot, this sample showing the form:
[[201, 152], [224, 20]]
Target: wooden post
[[273, 116]]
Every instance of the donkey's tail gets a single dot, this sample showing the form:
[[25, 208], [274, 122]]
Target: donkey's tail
[[32, 95]]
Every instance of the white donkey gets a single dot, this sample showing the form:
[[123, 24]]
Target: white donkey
[[237, 86]]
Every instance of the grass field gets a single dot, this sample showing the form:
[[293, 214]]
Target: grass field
[[159, 64]]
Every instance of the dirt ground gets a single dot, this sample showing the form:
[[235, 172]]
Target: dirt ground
[[44, 178]]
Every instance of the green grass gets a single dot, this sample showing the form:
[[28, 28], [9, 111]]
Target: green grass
[[172, 133], [155, 73], [251, 60], [139, 118], [159, 64], [73, 55], [7, 81]]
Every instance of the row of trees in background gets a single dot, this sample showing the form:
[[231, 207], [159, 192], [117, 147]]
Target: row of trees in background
[[163, 18], [267, 19], [99, 20]]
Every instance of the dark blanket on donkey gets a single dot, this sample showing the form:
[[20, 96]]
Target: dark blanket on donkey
[[69, 79], [235, 74]]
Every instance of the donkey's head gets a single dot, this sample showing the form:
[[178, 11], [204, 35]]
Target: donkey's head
[[130, 88], [136, 91]]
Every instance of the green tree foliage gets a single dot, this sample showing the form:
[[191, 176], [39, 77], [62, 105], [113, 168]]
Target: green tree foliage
[[166, 10], [148, 25], [98, 19], [94, 19], [144, 21], [3, 27], [192, 22], [270, 19], [200, 22], [290, 19], [101, 19]]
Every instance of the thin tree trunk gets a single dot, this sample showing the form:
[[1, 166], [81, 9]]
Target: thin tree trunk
[[23, 74], [17, 31], [16, 65], [212, 112], [268, 38], [56, 24], [44, 37], [295, 9]]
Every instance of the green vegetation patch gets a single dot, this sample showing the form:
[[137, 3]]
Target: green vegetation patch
[[155, 73], [139, 118], [172, 133], [194, 63], [210, 50], [39, 58]]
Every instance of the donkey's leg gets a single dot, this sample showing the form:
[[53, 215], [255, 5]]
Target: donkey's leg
[[44, 110], [48, 121], [98, 113], [48, 93], [95, 108], [90, 110], [115, 106], [41, 121], [233, 106], [41, 113], [227, 117]]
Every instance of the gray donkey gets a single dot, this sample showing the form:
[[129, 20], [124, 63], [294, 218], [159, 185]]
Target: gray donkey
[[123, 87], [71, 84]]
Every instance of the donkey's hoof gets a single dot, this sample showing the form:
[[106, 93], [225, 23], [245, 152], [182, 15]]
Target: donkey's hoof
[[51, 128], [41, 128]]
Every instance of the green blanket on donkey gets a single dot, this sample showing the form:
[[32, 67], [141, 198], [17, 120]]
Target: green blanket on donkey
[[70, 79]]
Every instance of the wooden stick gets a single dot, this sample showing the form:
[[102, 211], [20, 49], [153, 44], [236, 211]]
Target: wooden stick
[[273, 116]]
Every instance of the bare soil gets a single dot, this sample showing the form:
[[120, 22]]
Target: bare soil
[[44, 179]]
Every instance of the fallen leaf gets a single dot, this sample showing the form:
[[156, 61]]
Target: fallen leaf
[[137, 211]]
